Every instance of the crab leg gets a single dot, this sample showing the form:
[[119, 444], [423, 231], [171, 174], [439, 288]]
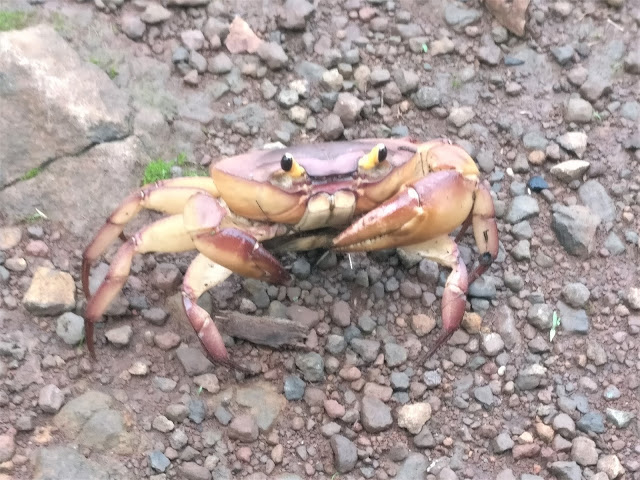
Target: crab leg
[[166, 196], [165, 235], [485, 230], [444, 251], [202, 275], [223, 250]]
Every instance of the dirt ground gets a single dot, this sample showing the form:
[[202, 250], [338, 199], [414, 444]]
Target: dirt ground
[[513, 394]]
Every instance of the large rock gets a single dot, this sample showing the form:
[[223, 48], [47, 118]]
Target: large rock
[[92, 422], [67, 190], [66, 463], [575, 227], [64, 103]]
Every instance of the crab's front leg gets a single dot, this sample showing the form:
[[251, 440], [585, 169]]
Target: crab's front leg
[[224, 249], [419, 218]]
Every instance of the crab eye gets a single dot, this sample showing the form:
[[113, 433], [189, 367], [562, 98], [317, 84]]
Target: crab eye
[[378, 154], [286, 162], [382, 152], [289, 165]]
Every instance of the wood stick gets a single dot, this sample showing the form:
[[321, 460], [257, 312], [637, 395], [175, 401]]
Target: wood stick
[[262, 330]]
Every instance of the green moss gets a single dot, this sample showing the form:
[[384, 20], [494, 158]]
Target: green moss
[[108, 66], [31, 173], [161, 170], [157, 170], [13, 20]]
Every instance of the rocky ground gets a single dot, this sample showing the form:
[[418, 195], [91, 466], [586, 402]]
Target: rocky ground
[[91, 92]]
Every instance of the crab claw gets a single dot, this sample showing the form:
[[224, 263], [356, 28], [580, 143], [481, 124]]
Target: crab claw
[[432, 206]]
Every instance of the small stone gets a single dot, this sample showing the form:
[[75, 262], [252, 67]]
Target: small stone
[[70, 328], [341, 313], [502, 443], [575, 142], [459, 116], [584, 452], [120, 336], [192, 39], [570, 170], [243, 428], [492, 344], [575, 227], [565, 470], [523, 207], [576, 294], [193, 360], [193, 471], [375, 415], [155, 13], [158, 460], [414, 416], [610, 464], [208, 381], [273, 55], [162, 424], [9, 237], [563, 54], [166, 340], [311, 365], [426, 98], [220, 64], [345, 453], [619, 418], [422, 324], [50, 399], [578, 111], [51, 292], [348, 107], [394, 354], [133, 26], [591, 422], [484, 395], [331, 128]]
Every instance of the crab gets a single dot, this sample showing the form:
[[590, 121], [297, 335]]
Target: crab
[[346, 196]]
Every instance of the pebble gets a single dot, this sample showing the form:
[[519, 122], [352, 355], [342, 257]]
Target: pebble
[[570, 170], [70, 328], [243, 428], [578, 111], [311, 365], [120, 336], [375, 415], [159, 462], [52, 292], [345, 453], [9, 237], [591, 422], [583, 451], [193, 471], [155, 13], [565, 470], [50, 399], [414, 416], [162, 424], [7, 446]]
